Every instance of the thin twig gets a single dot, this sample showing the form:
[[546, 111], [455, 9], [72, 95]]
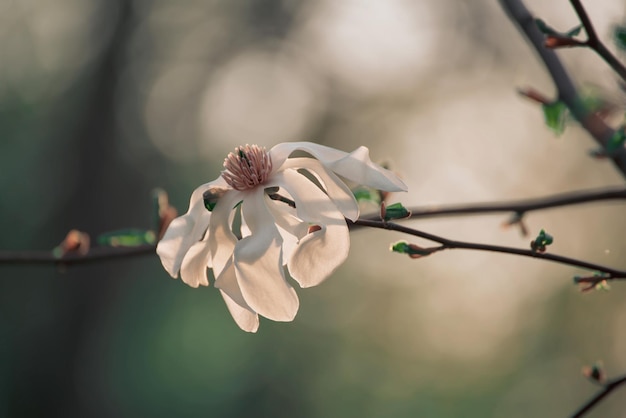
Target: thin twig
[[521, 207], [606, 390], [568, 94], [93, 255], [108, 253], [612, 274], [594, 42]]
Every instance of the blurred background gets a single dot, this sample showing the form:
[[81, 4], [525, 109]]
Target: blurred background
[[103, 100]]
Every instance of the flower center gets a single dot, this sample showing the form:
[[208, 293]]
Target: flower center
[[247, 167]]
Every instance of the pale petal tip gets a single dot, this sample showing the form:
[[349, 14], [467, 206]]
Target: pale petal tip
[[253, 329], [403, 186], [196, 285], [167, 262]]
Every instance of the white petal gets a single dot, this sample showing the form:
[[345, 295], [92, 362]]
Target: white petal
[[221, 238], [355, 166], [258, 263], [291, 229], [244, 316], [227, 282], [245, 231], [194, 268], [185, 230], [319, 253], [338, 191]]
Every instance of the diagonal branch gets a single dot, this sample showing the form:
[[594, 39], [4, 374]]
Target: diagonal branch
[[593, 124], [594, 42], [606, 390], [446, 243], [94, 255]]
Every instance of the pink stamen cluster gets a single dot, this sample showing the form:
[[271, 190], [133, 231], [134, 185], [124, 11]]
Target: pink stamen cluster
[[247, 167]]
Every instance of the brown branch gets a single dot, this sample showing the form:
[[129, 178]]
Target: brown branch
[[611, 273], [109, 253], [93, 255], [568, 94], [594, 42], [521, 207], [608, 387]]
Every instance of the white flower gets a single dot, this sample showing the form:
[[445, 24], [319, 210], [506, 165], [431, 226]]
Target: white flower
[[311, 239]]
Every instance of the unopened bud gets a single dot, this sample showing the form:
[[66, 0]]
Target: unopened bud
[[75, 242], [165, 213], [595, 372], [540, 243], [554, 42], [413, 250], [395, 211]]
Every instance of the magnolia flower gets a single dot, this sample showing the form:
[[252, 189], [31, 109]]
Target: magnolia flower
[[292, 213]]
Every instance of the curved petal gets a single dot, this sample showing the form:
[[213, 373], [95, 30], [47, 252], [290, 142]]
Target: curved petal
[[220, 236], [185, 230], [195, 263], [291, 228], [355, 166], [244, 316], [258, 263], [320, 252], [227, 282], [336, 189]]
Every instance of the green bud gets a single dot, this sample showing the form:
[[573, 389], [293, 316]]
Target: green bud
[[412, 250], [395, 211], [401, 247], [541, 242]]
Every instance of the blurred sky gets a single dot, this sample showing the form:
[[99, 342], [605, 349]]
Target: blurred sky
[[101, 101]]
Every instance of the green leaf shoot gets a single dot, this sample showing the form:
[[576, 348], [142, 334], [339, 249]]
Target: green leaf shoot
[[395, 211], [555, 115], [127, 238]]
